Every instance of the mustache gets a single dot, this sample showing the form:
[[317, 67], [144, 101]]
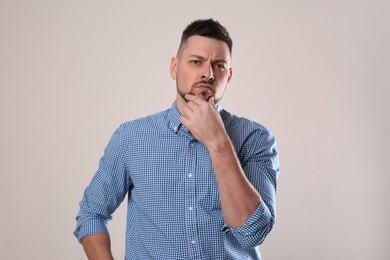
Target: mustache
[[207, 82]]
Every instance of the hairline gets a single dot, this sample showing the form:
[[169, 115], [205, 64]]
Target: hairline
[[185, 43]]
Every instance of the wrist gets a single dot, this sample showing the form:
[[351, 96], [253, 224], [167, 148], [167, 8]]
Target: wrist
[[222, 143]]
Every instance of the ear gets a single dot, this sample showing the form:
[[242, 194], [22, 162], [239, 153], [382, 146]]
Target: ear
[[173, 67], [229, 77]]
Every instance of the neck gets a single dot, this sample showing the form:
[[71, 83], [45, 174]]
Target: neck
[[180, 103]]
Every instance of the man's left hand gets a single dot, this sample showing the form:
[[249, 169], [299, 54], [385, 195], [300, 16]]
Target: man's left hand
[[203, 120]]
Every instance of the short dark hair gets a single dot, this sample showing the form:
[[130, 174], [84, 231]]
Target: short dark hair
[[207, 28]]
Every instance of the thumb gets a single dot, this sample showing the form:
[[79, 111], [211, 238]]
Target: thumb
[[212, 102]]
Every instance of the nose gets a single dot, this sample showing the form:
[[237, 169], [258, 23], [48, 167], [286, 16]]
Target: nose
[[208, 74]]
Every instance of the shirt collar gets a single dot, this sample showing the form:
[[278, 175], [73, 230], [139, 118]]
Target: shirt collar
[[174, 117]]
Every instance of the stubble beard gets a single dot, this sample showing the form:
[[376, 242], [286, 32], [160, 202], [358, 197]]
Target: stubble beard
[[204, 95]]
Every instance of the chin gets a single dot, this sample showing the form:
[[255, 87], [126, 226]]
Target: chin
[[204, 96]]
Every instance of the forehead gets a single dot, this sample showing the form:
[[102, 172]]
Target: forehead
[[204, 46]]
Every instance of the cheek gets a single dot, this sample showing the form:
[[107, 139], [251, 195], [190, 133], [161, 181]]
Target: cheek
[[184, 77], [220, 90], [222, 84], [222, 80]]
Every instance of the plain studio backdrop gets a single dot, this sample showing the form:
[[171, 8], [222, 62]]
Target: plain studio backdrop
[[314, 72]]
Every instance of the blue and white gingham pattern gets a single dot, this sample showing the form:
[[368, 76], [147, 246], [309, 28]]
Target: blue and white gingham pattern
[[174, 210]]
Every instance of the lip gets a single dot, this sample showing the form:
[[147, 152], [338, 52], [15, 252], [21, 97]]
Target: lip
[[204, 86]]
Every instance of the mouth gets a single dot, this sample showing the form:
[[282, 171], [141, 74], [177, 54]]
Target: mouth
[[204, 87]]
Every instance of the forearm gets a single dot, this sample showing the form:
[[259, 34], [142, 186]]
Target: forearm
[[97, 247], [239, 199]]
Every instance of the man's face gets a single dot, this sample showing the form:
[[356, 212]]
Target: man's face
[[202, 68]]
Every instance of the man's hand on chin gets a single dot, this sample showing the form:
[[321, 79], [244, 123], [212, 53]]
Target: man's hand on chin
[[203, 120]]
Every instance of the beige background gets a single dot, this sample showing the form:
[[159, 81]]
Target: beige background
[[315, 72]]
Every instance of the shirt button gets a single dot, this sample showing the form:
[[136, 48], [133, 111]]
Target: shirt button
[[190, 208], [189, 175], [193, 242], [192, 144]]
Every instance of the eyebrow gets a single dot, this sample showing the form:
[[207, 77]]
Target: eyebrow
[[203, 58], [197, 56]]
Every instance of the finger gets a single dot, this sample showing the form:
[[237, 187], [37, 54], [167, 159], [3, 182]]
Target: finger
[[187, 111], [193, 98], [185, 121], [192, 106], [212, 101]]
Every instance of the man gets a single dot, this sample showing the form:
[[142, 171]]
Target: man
[[200, 181]]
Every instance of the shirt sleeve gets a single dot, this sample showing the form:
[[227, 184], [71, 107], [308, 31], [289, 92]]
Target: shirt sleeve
[[259, 159], [105, 192]]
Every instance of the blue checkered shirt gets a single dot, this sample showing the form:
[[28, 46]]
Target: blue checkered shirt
[[174, 210]]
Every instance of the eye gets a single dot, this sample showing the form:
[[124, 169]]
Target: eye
[[195, 62], [220, 66]]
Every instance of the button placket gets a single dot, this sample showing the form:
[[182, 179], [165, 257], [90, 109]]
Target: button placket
[[190, 202]]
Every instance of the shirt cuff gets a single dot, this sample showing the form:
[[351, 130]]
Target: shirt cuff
[[90, 227], [255, 229]]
